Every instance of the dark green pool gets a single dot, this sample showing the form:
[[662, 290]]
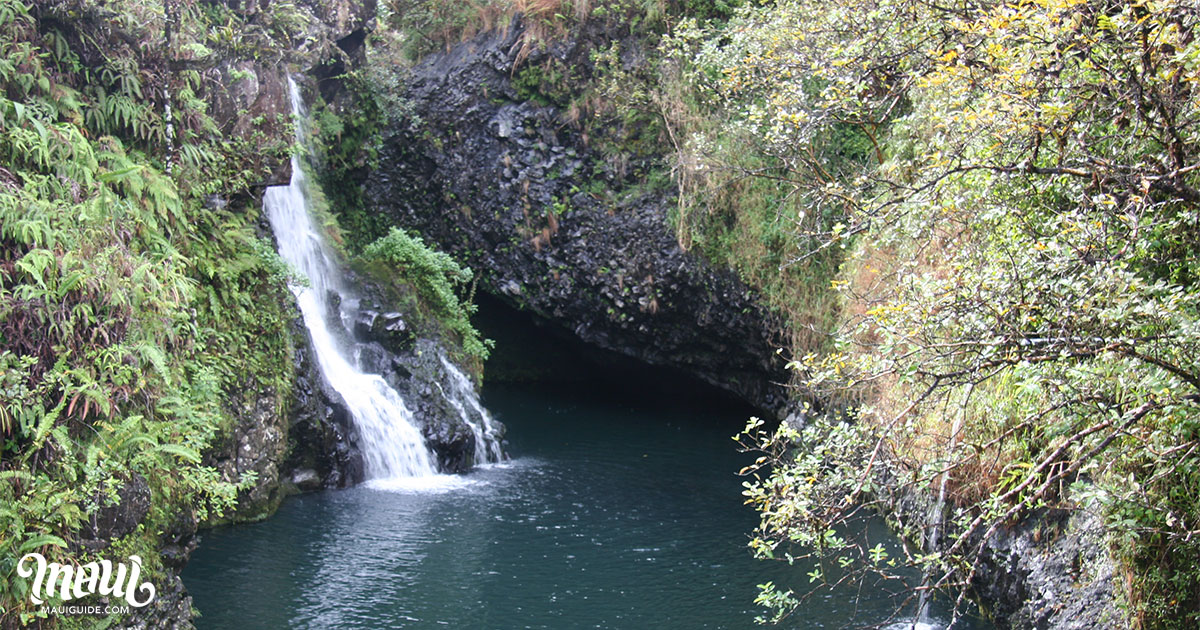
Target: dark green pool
[[613, 514]]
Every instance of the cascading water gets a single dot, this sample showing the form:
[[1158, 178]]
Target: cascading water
[[391, 444], [461, 396]]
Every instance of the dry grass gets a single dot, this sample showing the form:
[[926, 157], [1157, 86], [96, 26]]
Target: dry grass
[[545, 237], [544, 21], [989, 441]]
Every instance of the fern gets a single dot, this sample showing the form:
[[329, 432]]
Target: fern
[[128, 308]]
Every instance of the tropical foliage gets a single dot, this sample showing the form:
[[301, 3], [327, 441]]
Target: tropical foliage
[[1012, 191], [124, 283], [433, 283]]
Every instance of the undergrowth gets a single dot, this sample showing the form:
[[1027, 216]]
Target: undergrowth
[[135, 300], [432, 284]]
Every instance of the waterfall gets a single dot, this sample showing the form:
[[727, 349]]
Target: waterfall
[[461, 396], [390, 442], [924, 620]]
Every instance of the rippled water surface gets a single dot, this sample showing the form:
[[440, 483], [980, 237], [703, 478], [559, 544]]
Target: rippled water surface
[[611, 515]]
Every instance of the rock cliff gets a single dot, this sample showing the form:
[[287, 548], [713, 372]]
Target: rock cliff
[[499, 181]]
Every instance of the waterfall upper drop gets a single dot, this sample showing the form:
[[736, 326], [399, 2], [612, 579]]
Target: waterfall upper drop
[[390, 442]]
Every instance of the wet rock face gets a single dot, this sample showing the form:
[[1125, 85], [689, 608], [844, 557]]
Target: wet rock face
[[298, 440], [170, 610], [1051, 572], [172, 606], [388, 329], [429, 395], [111, 522], [417, 374], [324, 452], [258, 444], [251, 95], [497, 181]]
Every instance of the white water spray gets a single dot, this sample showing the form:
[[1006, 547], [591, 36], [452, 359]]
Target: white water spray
[[391, 445], [461, 396]]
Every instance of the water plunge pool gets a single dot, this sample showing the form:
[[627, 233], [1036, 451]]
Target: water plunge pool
[[616, 511]]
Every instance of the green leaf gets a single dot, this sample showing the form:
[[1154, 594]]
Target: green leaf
[[41, 540], [182, 452], [116, 176]]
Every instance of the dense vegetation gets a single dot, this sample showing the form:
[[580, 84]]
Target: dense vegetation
[[428, 282], [1012, 192], [979, 221], [137, 302]]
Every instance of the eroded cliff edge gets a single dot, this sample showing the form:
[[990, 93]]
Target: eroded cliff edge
[[505, 185]]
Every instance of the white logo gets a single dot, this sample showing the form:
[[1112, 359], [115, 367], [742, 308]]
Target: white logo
[[83, 580]]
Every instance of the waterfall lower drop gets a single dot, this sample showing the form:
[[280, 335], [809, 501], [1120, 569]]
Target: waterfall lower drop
[[461, 396], [391, 445], [924, 619]]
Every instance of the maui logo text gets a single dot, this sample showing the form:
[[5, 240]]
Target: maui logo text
[[94, 577]]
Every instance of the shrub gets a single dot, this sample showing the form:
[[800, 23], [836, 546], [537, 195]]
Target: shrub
[[404, 262]]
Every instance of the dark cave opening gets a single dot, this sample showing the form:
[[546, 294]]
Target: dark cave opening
[[532, 350]]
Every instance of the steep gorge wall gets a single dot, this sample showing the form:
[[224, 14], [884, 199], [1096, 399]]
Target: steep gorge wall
[[293, 436], [170, 371], [1049, 571], [500, 181]]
